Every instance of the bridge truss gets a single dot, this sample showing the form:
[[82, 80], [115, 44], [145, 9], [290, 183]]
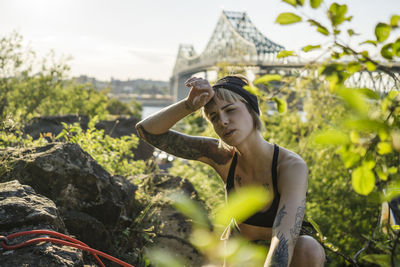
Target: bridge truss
[[236, 41]]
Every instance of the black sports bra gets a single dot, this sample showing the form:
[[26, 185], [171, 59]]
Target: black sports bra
[[265, 218]]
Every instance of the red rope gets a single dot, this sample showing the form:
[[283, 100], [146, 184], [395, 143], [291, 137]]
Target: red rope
[[74, 243]]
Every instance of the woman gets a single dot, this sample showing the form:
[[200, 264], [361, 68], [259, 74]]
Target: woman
[[244, 158]]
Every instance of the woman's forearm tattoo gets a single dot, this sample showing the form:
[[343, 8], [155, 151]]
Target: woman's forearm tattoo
[[294, 232], [280, 256], [185, 146], [279, 216]]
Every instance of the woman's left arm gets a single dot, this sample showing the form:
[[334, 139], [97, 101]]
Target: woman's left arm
[[292, 185]]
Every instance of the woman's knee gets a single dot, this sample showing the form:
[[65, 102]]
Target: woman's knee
[[308, 252]]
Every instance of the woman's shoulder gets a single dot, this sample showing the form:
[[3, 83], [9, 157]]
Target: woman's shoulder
[[292, 171], [289, 159]]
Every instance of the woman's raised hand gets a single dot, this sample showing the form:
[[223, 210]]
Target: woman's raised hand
[[200, 93]]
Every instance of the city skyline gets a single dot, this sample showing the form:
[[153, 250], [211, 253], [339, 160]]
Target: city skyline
[[133, 39]]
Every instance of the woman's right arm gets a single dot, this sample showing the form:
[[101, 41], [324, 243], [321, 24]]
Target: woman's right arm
[[155, 129]]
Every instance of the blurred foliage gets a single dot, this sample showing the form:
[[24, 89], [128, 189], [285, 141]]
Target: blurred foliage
[[30, 87]]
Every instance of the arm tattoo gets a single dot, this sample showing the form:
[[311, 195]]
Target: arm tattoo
[[280, 256], [185, 146], [294, 232], [279, 216]]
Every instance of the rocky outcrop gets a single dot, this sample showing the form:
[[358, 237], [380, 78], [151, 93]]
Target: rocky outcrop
[[92, 205], [21, 209], [86, 195], [115, 128]]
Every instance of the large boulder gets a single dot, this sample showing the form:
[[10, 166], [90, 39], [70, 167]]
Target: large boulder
[[122, 126], [22, 209], [87, 196]]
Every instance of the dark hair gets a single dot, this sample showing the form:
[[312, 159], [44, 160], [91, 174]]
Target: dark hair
[[235, 84], [231, 96]]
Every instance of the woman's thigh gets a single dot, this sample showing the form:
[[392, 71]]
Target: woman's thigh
[[308, 252]]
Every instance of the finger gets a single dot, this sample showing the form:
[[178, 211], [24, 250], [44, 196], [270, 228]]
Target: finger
[[191, 80]]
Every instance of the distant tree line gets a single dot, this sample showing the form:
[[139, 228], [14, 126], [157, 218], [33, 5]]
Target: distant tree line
[[136, 86]]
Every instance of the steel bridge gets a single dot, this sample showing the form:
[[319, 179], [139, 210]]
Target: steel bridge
[[236, 41]]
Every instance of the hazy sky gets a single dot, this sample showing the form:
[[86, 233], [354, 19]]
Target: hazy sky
[[139, 39]]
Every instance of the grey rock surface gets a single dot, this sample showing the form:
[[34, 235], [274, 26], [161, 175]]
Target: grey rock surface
[[78, 185], [22, 209]]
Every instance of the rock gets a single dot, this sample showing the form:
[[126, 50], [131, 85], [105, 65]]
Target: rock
[[172, 228], [79, 186], [52, 124], [22, 209], [96, 207], [115, 128]]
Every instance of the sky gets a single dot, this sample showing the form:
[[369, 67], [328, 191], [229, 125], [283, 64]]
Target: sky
[[131, 39]]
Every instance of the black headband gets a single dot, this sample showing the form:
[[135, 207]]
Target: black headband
[[235, 84]]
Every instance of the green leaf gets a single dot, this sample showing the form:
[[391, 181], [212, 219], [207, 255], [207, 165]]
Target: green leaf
[[366, 125], [287, 18], [315, 3], [281, 104], [394, 20], [391, 191], [368, 93], [381, 174], [373, 42], [332, 137], [60, 135], [320, 28], [384, 148], [379, 259], [348, 156], [189, 208], [164, 258], [392, 170], [396, 48], [310, 47], [387, 51], [291, 2], [252, 89], [370, 66], [353, 67], [337, 13], [243, 203], [285, 53], [351, 32], [354, 137], [354, 99], [382, 31], [369, 164], [363, 180], [265, 79], [300, 2]]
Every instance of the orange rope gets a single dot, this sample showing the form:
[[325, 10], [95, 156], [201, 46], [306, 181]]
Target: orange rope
[[74, 243]]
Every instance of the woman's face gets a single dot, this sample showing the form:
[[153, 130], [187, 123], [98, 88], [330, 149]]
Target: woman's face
[[231, 121]]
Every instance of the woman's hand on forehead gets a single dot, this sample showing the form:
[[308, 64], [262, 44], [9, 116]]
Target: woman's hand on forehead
[[200, 93]]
